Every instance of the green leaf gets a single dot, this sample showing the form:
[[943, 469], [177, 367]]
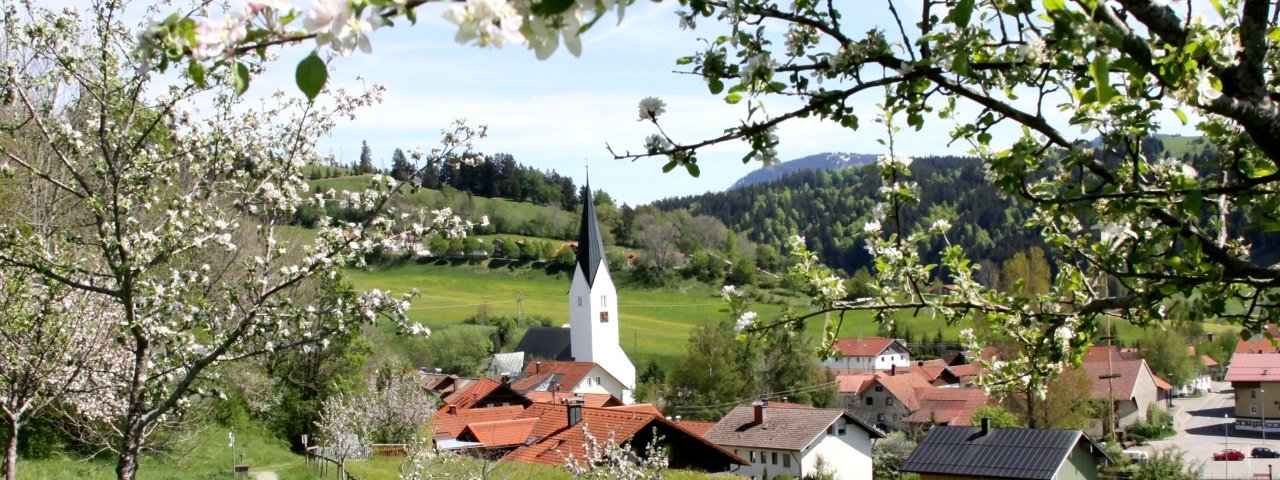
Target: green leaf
[[1217, 5], [1274, 34], [961, 13], [311, 75], [1055, 5], [733, 98], [1101, 71], [196, 71], [693, 169], [669, 166], [551, 7], [1193, 202], [715, 85], [1181, 115], [241, 79], [684, 60], [960, 63]]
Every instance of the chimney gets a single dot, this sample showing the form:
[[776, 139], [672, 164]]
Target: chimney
[[439, 370], [574, 407], [761, 411], [537, 367], [506, 378], [677, 419], [893, 370], [986, 426], [919, 363], [453, 409]]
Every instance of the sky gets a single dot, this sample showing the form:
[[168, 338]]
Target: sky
[[561, 113]]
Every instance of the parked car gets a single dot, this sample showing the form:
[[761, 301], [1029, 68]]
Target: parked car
[[1228, 454], [1264, 452], [1137, 456]]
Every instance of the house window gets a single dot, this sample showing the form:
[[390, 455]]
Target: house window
[[842, 429], [1253, 394], [775, 458], [753, 456], [604, 317], [871, 401], [786, 461], [879, 417], [1253, 409], [879, 388], [889, 401], [831, 430], [579, 301], [597, 380], [603, 301]]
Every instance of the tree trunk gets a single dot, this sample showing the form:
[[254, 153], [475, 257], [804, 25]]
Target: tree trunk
[[11, 452], [127, 467]]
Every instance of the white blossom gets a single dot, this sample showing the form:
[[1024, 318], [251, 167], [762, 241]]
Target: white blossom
[[651, 108]]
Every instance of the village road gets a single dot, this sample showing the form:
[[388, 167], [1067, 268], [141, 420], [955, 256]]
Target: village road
[[1204, 426]]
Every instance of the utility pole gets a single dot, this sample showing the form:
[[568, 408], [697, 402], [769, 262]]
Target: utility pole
[[520, 307], [1111, 386]]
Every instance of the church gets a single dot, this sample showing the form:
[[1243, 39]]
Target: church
[[585, 357]]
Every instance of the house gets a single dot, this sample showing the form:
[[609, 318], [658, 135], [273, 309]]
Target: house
[[1259, 343], [568, 378], [486, 393], [549, 434], [1256, 380], [849, 389], [888, 399], [936, 372], [790, 439], [947, 406], [951, 452], [872, 353], [1129, 384]]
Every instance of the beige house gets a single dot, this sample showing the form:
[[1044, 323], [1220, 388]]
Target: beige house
[[1256, 380], [790, 440], [1129, 384]]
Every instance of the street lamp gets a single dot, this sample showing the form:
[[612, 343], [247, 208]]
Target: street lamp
[[1226, 444], [1262, 410]]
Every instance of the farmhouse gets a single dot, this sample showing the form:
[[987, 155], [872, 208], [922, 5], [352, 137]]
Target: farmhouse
[[1256, 380], [871, 353], [789, 439]]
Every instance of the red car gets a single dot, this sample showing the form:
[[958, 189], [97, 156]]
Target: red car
[[1228, 454]]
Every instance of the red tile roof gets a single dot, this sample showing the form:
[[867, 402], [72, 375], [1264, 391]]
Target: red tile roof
[[1254, 367], [930, 372], [906, 388], [570, 374], [696, 427], [1161, 384], [1256, 346], [1124, 384], [948, 406], [1099, 353], [863, 347], [639, 407], [588, 399], [967, 370], [473, 392], [449, 422], [502, 433], [854, 384], [1208, 362]]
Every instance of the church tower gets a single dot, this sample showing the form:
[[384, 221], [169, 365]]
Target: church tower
[[593, 305]]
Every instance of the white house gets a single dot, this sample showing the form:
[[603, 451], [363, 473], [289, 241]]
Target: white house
[[593, 306], [789, 439], [871, 353]]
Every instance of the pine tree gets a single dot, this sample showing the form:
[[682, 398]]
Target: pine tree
[[401, 169], [366, 159]]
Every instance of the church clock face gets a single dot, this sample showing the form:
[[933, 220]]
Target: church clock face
[[604, 317]]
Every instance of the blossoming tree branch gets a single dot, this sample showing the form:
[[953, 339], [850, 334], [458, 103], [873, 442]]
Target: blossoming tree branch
[[1026, 85]]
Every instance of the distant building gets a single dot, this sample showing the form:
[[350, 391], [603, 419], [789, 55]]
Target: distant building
[[871, 353], [1128, 383], [592, 336], [947, 406], [789, 439], [1256, 380], [948, 453], [567, 378], [888, 399]]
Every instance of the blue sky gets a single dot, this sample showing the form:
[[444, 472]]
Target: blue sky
[[560, 113]]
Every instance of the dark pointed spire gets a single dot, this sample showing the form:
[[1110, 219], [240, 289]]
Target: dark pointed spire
[[590, 242]]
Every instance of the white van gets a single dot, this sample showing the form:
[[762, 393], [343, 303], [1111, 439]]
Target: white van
[[1137, 456]]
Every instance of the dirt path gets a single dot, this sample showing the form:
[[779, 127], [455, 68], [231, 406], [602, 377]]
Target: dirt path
[[268, 475]]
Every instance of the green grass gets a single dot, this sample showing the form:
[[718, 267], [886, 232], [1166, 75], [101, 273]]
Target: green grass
[[654, 322], [209, 457], [1177, 145]]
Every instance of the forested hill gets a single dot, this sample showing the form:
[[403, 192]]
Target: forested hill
[[821, 161], [830, 207]]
